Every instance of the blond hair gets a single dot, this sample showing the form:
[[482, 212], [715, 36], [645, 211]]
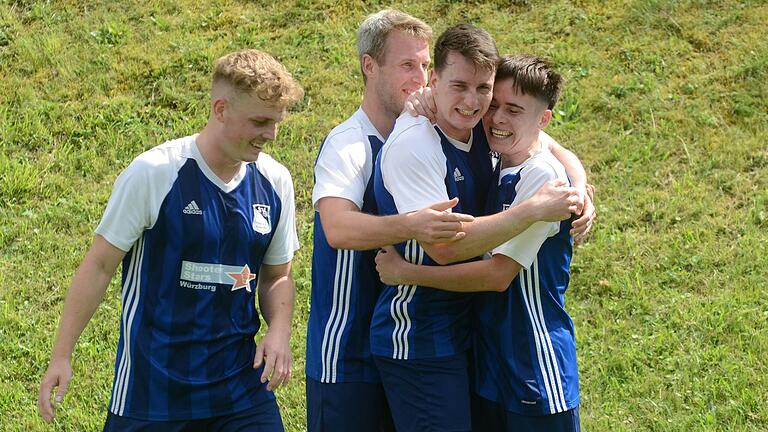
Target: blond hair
[[373, 32], [255, 72]]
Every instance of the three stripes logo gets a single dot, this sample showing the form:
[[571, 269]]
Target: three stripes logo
[[192, 209], [457, 175]]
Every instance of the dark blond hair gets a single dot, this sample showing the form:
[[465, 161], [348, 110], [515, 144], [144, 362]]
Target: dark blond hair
[[373, 32], [255, 72]]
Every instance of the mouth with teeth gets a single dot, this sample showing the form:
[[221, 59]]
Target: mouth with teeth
[[467, 113], [501, 134]]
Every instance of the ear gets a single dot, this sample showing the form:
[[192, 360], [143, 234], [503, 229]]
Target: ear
[[546, 116], [368, 65], [433, 77], [218, 106]]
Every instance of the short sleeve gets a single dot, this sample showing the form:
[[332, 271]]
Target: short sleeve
[[524, 247], [135, 201], [413, 167], [343, 168], [285, 241]]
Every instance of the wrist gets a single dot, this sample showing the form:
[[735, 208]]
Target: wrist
[[525, 213]]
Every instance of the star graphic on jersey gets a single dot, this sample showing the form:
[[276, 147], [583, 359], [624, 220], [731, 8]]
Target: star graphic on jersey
[[242, 279]]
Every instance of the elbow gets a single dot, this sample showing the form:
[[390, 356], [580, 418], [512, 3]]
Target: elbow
[[500, 286], [443, 254], [338, 239]]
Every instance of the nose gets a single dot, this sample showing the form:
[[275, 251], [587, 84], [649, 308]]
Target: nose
[[270, 132], [420, 75], [472, 100], [498, 116]]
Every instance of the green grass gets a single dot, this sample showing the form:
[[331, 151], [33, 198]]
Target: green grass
[[665, 103]]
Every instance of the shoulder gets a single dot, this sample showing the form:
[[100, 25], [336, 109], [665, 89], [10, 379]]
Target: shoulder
[[408, 127], [274, 171], [162, 161], [543, 165], [348, 137]]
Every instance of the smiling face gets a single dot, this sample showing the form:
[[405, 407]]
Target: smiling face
[[402, 71], [513, 121], [248, 124], [462, 93]]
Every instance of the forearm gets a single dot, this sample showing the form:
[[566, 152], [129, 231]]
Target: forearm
[[473, 276], [484, 234], [573, 166], [355, 230], [276, 299], [83, 297]]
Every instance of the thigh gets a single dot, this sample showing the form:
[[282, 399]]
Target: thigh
[[487, 415], [427, 395], [567, 421], [346, 407], [264, 417], [115, 423]]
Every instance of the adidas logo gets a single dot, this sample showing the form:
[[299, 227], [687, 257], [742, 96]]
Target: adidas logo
[[192, 208], [457, 175]]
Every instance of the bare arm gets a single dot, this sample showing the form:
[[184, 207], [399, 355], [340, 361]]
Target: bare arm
[[83, 297], [346, 227], [276, 297], [553, 202], [578, 176], [494, 274]]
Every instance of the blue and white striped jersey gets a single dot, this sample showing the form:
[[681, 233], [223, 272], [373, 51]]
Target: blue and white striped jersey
[[418, 166], [525, 348], [195, 246], [345, 284]]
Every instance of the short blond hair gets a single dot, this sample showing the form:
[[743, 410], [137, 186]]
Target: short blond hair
[[374, 30], [252, 71]]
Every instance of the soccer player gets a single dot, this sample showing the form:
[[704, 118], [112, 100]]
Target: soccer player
[[420, 336], [526, 377], [344, 391], [197, 222]]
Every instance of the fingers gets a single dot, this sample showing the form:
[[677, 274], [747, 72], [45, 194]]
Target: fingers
[[44, 404], [445, 205], [269, 366], [282, 370], [457, 217], [259, 357]]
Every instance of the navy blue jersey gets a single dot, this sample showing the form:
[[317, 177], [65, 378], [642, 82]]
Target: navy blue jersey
[[195, 247], [525, 348], [345, 284], [424, 166]]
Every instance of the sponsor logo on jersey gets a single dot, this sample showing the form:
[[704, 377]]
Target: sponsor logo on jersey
[[192, 209], [261, 221], [242, 279], [206, 276], [457, 175]]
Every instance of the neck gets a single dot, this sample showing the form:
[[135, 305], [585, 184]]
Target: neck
[[516, 157], [209, 144], [457, 134], [382, 120]]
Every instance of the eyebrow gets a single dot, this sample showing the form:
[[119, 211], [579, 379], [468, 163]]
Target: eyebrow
[[511, 105]]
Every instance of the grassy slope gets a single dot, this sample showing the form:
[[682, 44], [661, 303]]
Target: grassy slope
[[666, 104]]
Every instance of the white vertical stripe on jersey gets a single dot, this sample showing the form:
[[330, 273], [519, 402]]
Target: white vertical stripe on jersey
[[328, 324], [556, 369], [132, 292], [402, 291], [116, 393], [331, 326], [398, 346], [525, 284], [347, 294], [419, 260]]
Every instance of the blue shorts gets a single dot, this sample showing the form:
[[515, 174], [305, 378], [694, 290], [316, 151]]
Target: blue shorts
[[261, 418], [347, 407], [488, 415], [427, 394]]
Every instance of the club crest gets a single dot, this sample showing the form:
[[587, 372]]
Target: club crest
[[261, 221]]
